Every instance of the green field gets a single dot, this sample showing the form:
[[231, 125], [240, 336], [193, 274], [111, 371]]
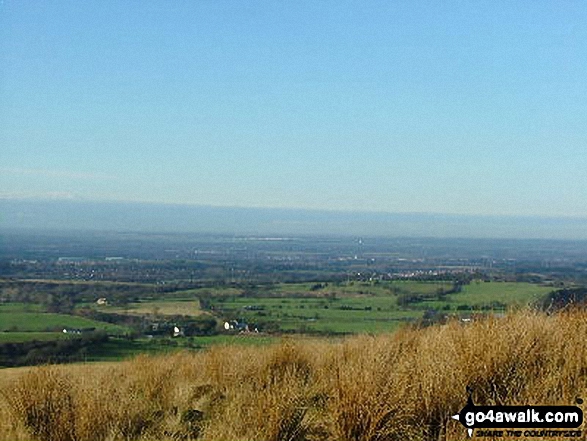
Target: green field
[[488, 294], [313, 308], [510, 293], [188, 307], [19, 337], [19, 307], [17, 317], [356, 307]]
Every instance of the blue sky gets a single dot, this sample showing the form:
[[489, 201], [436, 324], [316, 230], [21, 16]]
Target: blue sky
[[463, 107]]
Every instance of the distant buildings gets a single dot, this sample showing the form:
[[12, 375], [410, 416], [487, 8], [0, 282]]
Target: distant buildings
[[236, 326], [76, 331]]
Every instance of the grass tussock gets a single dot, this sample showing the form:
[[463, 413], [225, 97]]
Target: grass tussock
[[400, 386]]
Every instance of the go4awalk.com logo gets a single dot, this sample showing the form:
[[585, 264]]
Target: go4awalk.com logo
[[515, 421]]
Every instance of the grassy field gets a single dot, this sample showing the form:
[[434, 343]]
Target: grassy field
[[17, 317], [350, 307], [399, 386], [312, 314], [368, 307], [189, 307], [510, 293], [18, 337], [45, 322]]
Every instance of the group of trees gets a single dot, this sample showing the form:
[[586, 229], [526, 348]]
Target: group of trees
[[407, 298], [60, 351], [566, 297]]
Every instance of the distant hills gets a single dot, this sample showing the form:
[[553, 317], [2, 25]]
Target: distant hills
[[146, 217]]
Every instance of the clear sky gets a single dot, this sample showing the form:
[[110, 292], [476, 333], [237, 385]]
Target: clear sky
[[466, 107]]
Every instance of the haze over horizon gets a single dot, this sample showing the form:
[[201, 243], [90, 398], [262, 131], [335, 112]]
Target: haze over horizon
[[74, 215], [458, 108]]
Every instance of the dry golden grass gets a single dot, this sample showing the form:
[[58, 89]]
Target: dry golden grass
[[367, 388]]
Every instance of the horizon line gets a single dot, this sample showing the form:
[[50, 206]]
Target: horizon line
[[56, 198]]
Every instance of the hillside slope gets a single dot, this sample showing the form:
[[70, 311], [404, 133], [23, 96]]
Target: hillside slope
[[400, 386]]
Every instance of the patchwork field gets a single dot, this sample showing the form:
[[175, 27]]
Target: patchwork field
[[319, 309], [369, 307]]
